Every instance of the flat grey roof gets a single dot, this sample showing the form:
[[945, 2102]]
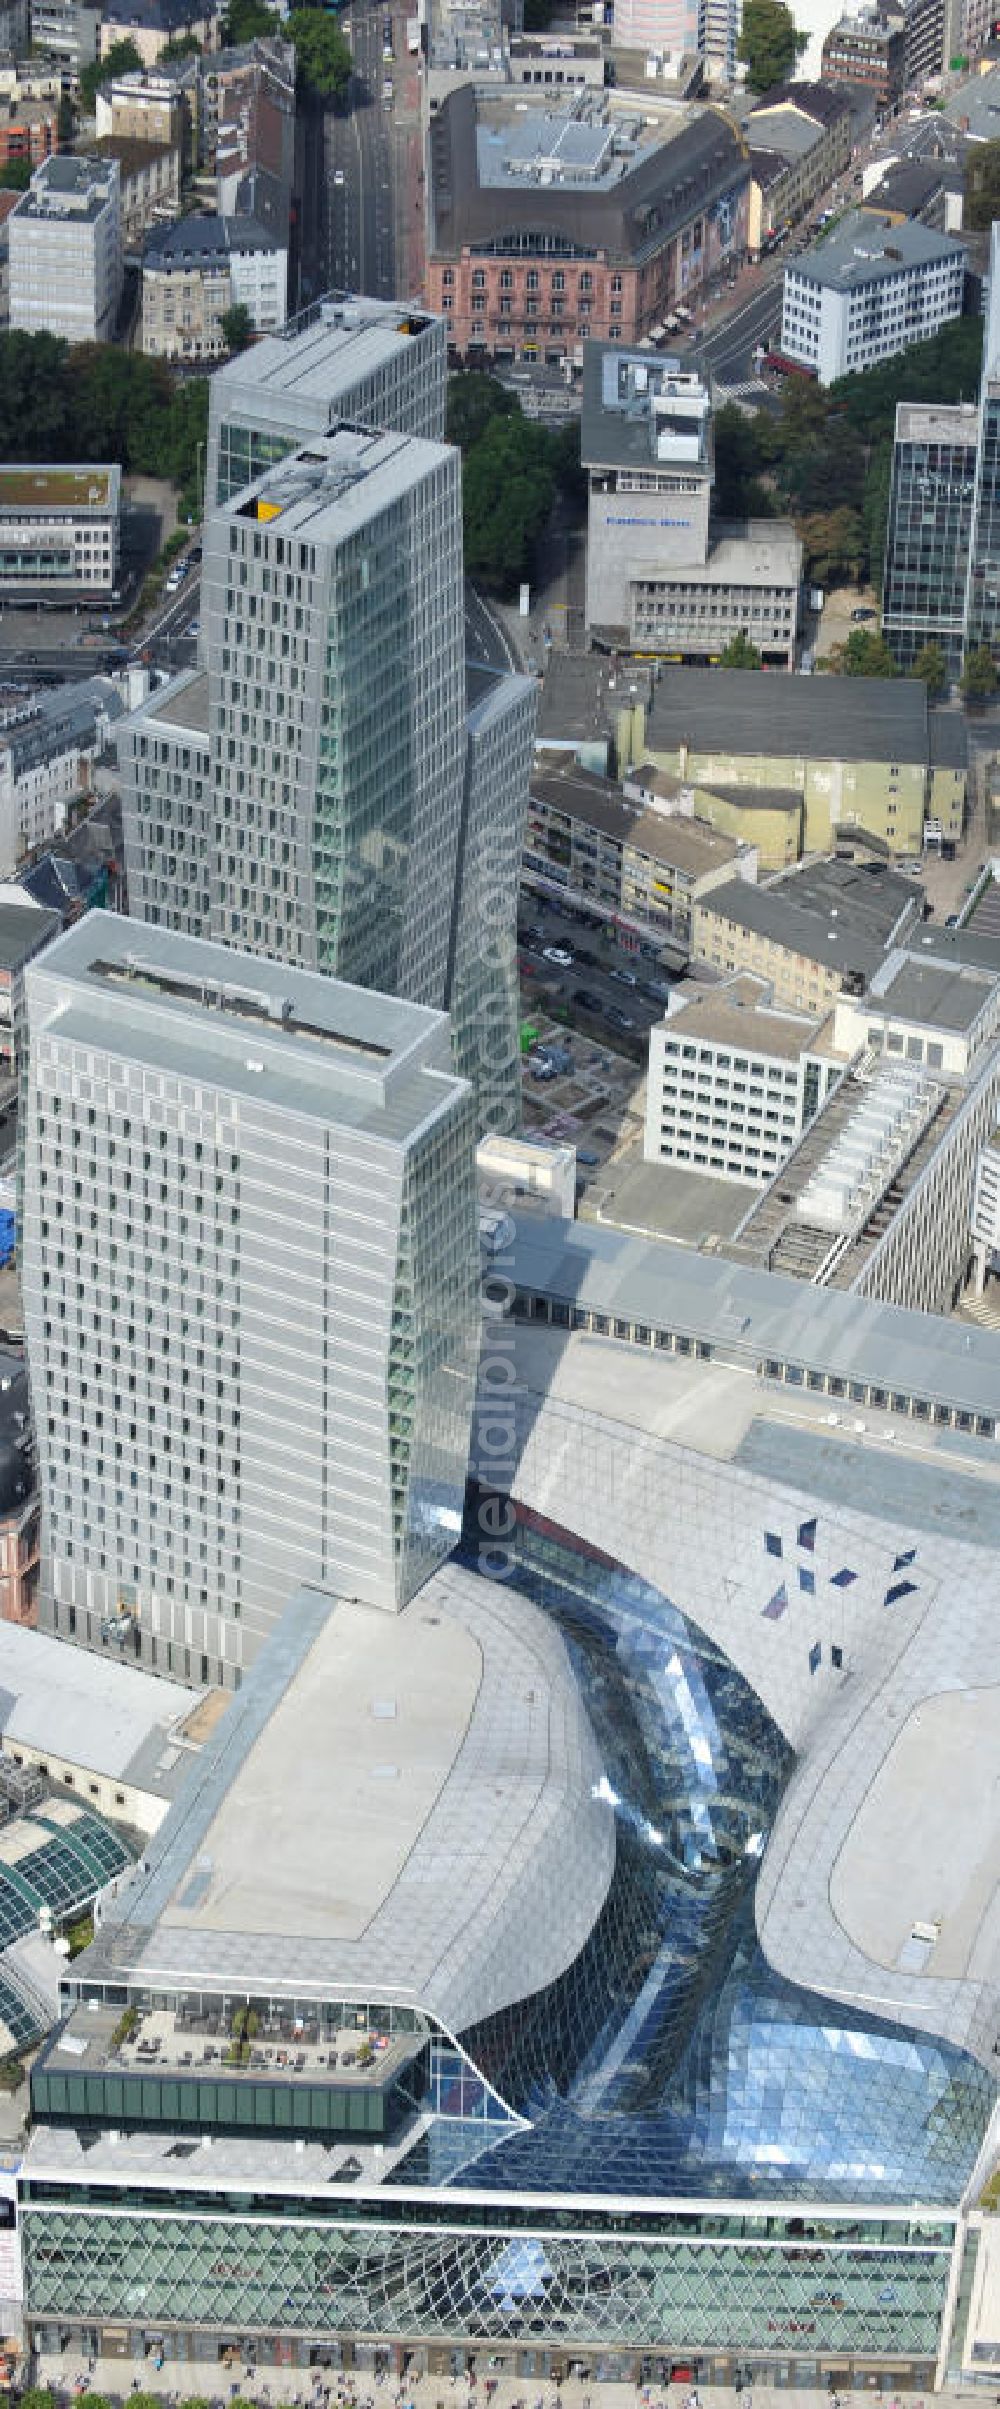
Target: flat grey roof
[[619, 386], [338, 483], [832, 912], [739, 1014], [377, 1812], [864, 249], [111, 1718], [691, 161], [814, 719], [937, 422], [304, 1043], [755, 552], [23, 929], [68, 185], [935, 994], [182, 704], [755, 1316], [319, 356]]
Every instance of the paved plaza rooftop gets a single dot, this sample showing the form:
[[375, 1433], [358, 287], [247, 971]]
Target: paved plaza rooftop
[[372, 1774]]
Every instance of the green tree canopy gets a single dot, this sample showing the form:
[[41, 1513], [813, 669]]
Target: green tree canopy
[[237, 326], [769, 44], [472, 401], [322, 56], [982, 186], [16, 175], [835, 545], [946, 369], [246, 21], [508, 489], [739, 459], [825, 457], [95, 402], [511, 470], [740, 653], [979, 676], [863, 656], [930, 664], [181, 46], [122, 59]]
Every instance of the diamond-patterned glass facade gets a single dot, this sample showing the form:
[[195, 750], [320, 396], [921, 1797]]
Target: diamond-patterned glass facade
[[671, 2059], [666, 2076], [297, 2273]]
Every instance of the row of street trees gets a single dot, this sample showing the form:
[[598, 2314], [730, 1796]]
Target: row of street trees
[[96, 402], [322, 54], [825, 458], [512, 470]]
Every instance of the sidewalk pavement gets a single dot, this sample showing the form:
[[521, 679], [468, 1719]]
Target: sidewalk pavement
[[273, 2387]]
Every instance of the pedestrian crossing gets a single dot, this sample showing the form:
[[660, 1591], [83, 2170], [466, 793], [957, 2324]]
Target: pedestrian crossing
[[754, 389]]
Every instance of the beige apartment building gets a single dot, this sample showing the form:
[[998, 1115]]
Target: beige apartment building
[[821, 930], [150, 182]]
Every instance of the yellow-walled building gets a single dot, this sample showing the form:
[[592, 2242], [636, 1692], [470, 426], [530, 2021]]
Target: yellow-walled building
[[864, 758]]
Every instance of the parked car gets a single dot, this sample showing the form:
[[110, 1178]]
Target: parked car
[[618, 1018], [587, 1000], [626, 978], [557, 953]]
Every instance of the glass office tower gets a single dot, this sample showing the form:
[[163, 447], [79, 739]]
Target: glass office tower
[[321, 792], [929, 532], [379, 363], [332, 606]]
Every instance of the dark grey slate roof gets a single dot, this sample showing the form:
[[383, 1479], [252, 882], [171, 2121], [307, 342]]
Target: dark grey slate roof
[[202, 237], [671, 184], [819, 719]]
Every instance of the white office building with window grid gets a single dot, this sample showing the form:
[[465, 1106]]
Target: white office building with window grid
[[868, 290], [249, 1268], [67, 264], [734, 1078]]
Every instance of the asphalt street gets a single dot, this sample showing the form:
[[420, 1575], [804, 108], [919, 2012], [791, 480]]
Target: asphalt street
[[600, 969], [488, 642], [358, 153], [727, 349]]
